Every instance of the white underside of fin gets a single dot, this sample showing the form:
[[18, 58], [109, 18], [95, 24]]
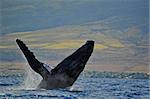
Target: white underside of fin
[[48, 67]]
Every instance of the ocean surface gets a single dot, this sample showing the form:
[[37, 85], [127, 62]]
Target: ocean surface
[[90, 85]]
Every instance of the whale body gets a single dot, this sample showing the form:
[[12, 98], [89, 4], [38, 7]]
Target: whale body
[[65, 73]]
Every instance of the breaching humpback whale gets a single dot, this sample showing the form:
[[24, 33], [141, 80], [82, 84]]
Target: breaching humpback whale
[[65, 73]]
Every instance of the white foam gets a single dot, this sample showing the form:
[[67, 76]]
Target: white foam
[[32, 79], [48, 67]]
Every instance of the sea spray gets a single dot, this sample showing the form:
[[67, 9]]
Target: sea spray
[[76, 88], [31, 80]]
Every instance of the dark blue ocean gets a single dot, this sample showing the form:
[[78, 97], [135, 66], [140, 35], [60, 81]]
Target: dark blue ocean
[[88, 86]]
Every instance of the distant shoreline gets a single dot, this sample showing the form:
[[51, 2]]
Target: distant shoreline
[[89, 67]]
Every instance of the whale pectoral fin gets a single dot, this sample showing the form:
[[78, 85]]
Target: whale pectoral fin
[[74, 64], [36, 65]]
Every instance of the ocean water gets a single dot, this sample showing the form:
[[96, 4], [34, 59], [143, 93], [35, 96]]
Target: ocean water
[[88, 86]]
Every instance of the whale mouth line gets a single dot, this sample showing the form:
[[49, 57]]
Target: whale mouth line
[[71, 66]]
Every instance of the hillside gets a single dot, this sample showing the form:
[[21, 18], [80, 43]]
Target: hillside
[[53, 29], [112, 53]]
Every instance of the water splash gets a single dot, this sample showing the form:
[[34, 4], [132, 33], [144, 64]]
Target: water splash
[[32, 79], [76, 88]]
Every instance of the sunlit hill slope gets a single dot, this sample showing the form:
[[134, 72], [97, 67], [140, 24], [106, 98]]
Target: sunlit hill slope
[[112, 52]]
